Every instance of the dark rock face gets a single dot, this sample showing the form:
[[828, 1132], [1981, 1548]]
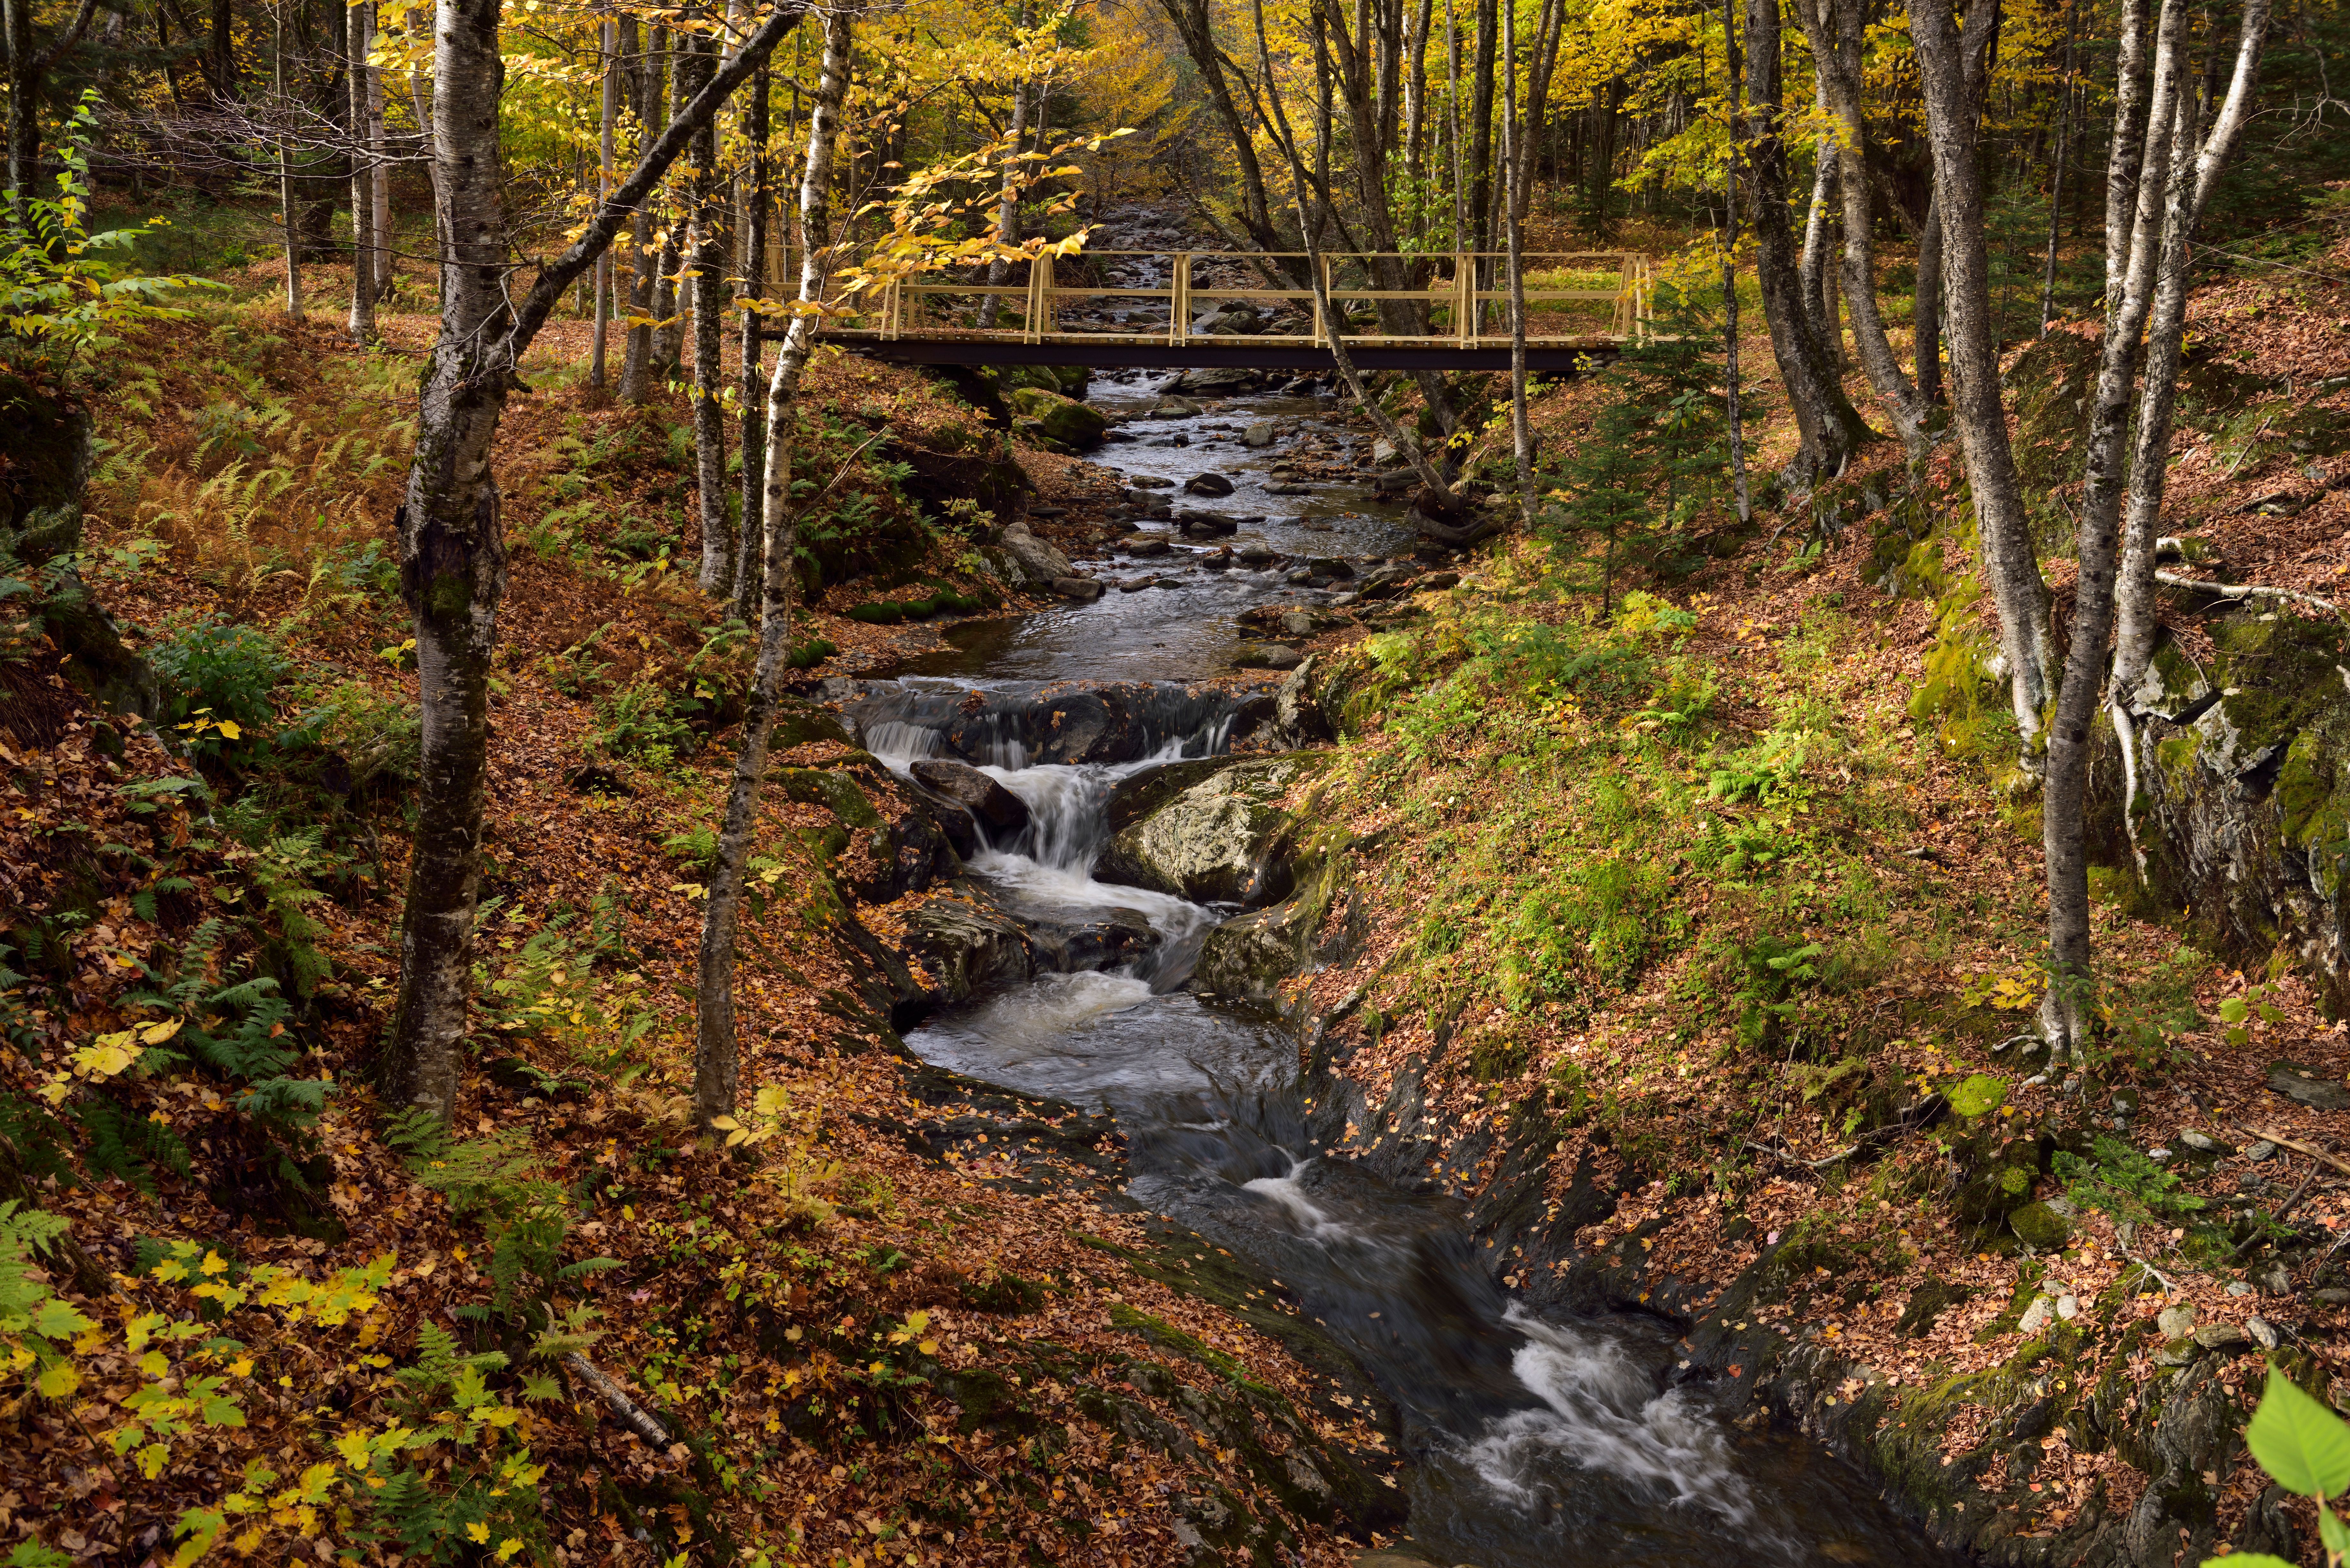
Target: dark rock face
[[1224, 840], [1208, 483], [967, 946], [973, 791], [2243, 792], [1062, 721]]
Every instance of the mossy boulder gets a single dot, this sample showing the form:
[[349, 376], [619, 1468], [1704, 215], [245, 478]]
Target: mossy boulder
[[2041, 1227], [1060, 419], [2242, 803], [1223, 841]]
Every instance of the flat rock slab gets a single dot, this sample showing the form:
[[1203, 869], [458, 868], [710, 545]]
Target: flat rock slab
[[973, 791], [1209, 483], [2305, 1086]]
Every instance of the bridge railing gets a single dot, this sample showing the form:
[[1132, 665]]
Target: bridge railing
[[1573, 298]]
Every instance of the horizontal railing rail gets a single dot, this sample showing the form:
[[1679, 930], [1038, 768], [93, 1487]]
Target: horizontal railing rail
[[1464, 300]]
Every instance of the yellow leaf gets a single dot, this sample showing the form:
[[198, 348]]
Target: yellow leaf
[[215, 1263], [928, 1347], [479, 1532], [156, 1034], [229, 729], [58, 1379]]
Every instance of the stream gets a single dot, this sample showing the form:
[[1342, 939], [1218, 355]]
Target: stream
[[1531, 1441]]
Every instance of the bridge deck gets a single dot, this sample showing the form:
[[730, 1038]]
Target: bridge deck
[[1462, 297]]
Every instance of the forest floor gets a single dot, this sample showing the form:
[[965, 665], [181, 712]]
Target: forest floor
[[907, 1327]]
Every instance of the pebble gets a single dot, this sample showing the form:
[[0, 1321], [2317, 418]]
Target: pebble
[[2260, 1151], [2330, 1296], [2176, 1321], [2200, 1142], [2260, 1328], [2238, 1288], [2036, 1316], [2068, 1307]]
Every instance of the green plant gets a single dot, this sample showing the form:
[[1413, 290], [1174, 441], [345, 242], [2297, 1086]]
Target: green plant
[[35, 1325], [2123, 1182], [2305, 1449], [222, 673], [643, 724]]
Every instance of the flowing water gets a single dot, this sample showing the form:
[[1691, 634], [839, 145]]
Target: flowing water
[[1532, 1441]]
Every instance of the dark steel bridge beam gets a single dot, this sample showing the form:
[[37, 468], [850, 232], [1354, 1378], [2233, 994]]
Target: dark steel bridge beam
[[1240, 354]]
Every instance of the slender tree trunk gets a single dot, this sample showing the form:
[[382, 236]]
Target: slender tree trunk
[[1831, 427], [669, 334], [608, 36], [717, 1059], [452, 543], [361, 324], [756, 195], [1480, 126], [637, 351], [1415, 110], [1951, 78], [1815, 215], [24, 105], [1194, 26], [1926, 308], [1007, 205], [1837, 31], [382, 271], [289, 210], [1460, 231], [2056, 171], [1730, 274], [695, 65], [1521, 439]]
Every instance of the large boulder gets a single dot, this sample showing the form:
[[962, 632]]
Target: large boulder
[[1222, 841], [1064, 420], [1039, 563], [997, 807], [967, 946], [1297, 716], [1250, 955]]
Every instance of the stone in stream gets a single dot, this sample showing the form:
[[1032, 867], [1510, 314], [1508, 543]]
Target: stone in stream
[[1209, 482], [1287, 487], [1174, 409], [973, 791], [1256, 553], [1328, 567], [1038, 561], [1266, 656], [1262, 433], [1136, 585], [1063, 419], [1153, 545], [1084, 590], [1222, 841], [1150, 481], [967, 946]]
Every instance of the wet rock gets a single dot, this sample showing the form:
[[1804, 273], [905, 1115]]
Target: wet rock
[[1209, 482], [1329, 567], [967, 946], [1144, 548], [1150, 481], [1174, 409], [1261, 434], [1060, 419], [1288, 487], [2223, 1336], [1136, 585], [1083, 590], [1038, 561], [1255, 553], [1217, 381], [1266, 656], [973, 791], [1222, 841], [1250, 955], [2304, 1086], [1297, 716]]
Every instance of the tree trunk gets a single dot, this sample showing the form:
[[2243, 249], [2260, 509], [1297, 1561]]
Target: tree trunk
[[361, 324], [717, 1060], [1480, 126], [24, 105], [1831, 429], [1522, 440], [1837, 32], [1926, 308], [1824, 181], [1951, 72], [668, 314], [1007, 206], [755, 193], [608, 36], [452, 546], [1460, 240], [1194, 27], [637, 355], [382, 271], [695, 65], [2056, 169], [1730, 273]]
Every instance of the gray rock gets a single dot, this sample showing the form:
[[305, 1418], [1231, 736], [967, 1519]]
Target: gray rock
[[1267, 656], [1084, 590], [2238, 1288], [967, 946], [1136, 585], [1210, 482], [2304, 1087], [2036, 1316], [2332, 1295], [1329, 567], [1298, 623], [1297, 716], [1262, 433], [2273, 1280], [973, 791], [1151, 481], [1384, 452], [1039, 562], [1288, 487], [1152, 546], [2040, 1227], [1250, 955], [1174, 409], [1437, 580], [2203, 1145], [2068, 1307], [1221, 841], [1256, 553], [2260, 1150], [2176, 1321], [2261, 1329], [2222, 1337]]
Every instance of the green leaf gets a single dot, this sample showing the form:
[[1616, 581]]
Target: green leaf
[[1980, 1096], [2246, 1560], [2233, 1010], [2300, 1442], [2333, 1532]]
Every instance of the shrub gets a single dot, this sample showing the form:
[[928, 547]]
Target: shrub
[[220, 674], [643, 724]]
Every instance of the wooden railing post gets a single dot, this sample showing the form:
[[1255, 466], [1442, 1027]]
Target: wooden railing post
[[1179, 299]]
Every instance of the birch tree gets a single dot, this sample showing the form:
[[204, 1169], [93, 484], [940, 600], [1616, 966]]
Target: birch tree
[[452, 547], [717, 1057]]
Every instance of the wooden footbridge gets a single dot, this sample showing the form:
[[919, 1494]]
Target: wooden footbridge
[[1241, 309]]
